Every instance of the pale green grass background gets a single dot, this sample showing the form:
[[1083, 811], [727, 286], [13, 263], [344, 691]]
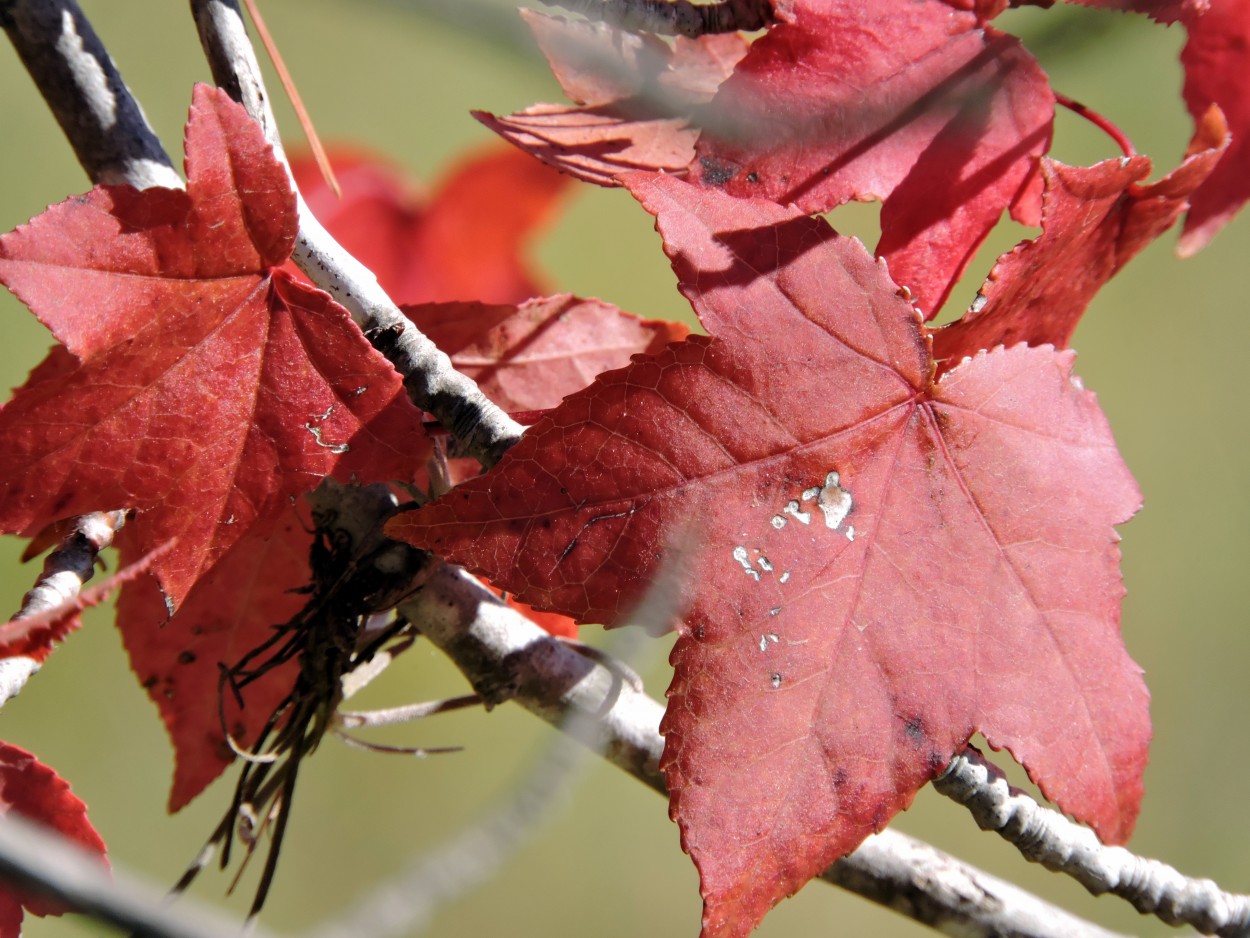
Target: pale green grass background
[[1164, 347]]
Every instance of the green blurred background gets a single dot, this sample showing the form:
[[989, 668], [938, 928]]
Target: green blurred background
[[1164, 346]]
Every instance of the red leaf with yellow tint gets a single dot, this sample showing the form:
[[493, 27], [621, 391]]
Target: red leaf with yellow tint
[[205, 387], [529, 357], [465, 241], [879, 565], [178, 660], [31, 789], [1095, 220], [634, 96], [1217, 71], [913, 103]]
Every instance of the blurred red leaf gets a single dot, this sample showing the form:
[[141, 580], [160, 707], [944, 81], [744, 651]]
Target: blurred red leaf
[[880, 566], [1217, 71], [912, 103], [31, 789], [634, 97], [1096, 219], [229, 612], [466, 241], [1161, 11], [529, 357], [201, 385]]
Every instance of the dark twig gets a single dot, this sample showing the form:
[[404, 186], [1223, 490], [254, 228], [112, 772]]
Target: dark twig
[[675, 17], [75, 75]]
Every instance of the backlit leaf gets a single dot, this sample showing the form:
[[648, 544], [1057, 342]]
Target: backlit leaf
[[202, 386], [879, 565]]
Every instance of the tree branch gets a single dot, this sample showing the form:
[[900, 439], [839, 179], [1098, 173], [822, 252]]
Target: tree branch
[[507, 657], [64, 572], [1047, 837], [484, 430], [78, 79], [675, 17], [47, 863]]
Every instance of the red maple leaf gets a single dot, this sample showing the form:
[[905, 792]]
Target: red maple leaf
[[466, 241], [1095, 220], [179, 660], [202, 386], [879, 565], [31, 789], [529, 357], [910, 102], [1217, 71], [634, 96]]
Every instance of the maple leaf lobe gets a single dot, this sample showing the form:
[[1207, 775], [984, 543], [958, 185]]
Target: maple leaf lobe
[[1096, 219], [926, 109]]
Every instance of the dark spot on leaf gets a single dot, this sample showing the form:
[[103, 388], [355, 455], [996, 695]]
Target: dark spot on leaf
[[915, 730], [149, 682], [717, 172], [839, 777], [186, 657], [753, 176]]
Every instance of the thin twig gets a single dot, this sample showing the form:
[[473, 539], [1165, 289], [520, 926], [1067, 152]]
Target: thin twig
[[484, 430], [297, 102], [1047, 837], [72, 563], [64, 572], [352, 720], [675, 17]]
